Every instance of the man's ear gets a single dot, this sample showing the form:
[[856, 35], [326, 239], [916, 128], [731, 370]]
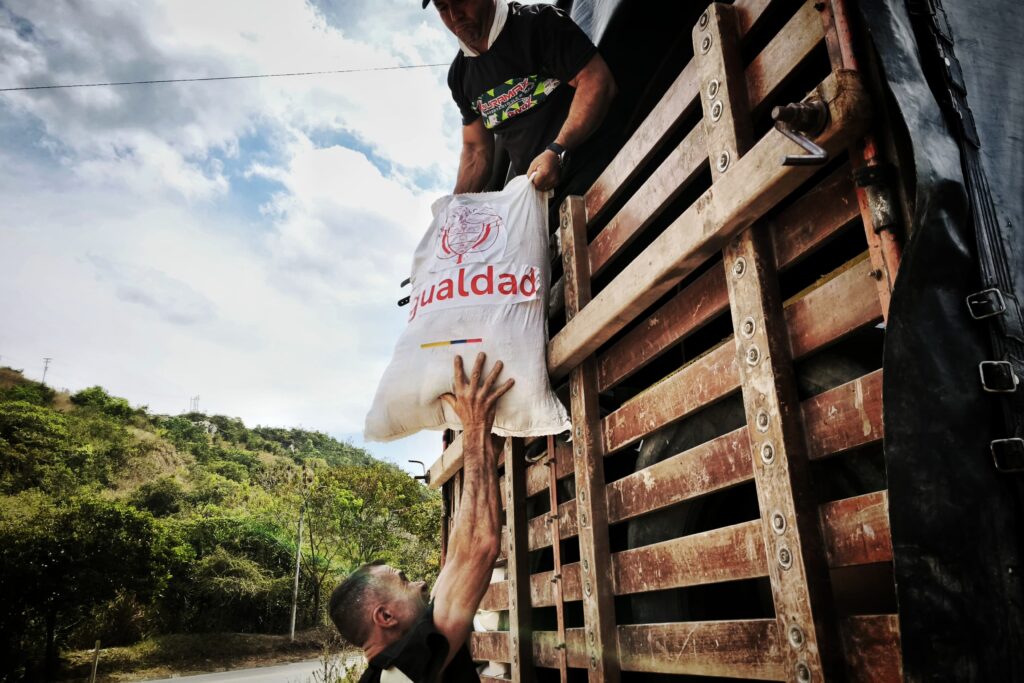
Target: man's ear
[[383, 617]]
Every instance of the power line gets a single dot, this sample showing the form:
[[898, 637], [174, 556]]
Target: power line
[[220, 78]]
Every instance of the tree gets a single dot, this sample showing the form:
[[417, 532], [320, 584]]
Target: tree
[[59, 561]]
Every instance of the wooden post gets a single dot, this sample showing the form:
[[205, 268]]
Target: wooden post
[[792, 539], [556, 551], [600, 636], [95, 662], [883, 247], [518, 567]]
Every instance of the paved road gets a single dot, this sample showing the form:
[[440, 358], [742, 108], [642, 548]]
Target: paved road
[[299, 672]]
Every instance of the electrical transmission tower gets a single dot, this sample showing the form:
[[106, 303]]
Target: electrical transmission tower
[[46, 367]]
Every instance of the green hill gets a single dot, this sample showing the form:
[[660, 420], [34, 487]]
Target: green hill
[[120, 524]]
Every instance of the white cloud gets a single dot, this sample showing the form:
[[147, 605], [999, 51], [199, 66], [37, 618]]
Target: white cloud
[[240, 240]]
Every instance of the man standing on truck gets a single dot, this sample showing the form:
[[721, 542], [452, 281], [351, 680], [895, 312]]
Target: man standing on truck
[[530, 77], [405, 638]]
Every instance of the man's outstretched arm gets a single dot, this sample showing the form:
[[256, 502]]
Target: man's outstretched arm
[[476, 158], [595, 90], [476, 538]]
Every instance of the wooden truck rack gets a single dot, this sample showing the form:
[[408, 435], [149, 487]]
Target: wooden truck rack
[[696, 218]]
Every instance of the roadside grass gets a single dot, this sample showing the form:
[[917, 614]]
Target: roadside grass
[[184, 654]]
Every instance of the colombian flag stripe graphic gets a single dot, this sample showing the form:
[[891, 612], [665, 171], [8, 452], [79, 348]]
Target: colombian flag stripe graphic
[[450, 342]]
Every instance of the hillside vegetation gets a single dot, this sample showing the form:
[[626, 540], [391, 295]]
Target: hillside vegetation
[[117, 524]]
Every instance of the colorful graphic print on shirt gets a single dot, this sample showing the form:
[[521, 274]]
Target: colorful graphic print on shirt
[[513, 97]]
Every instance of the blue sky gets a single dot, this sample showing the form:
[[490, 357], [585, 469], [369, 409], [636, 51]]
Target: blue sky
[[242, 241]]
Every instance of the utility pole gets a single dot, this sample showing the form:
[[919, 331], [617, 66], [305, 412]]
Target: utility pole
[[306, 481], [298, 559], [46, 366]]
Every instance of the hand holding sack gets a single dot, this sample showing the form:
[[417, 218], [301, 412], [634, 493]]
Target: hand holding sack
[[480, 280]]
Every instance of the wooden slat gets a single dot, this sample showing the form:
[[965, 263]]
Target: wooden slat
[[588, 460], [787, 49], [812, 219], [447, 465], [540, 526], [711, 466], [856, 530], [666, 184], [871, 644], [764, 75], [733, 649], [727, 554], [489, 646], [845, 417], [538, 473], [694, 386], [556, 554], [676, 104], [755, 184], [518, 562], [838, 307], [703, 300], [788, 527]]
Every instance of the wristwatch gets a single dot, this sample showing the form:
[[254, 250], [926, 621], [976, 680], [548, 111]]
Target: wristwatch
[[561, 152]]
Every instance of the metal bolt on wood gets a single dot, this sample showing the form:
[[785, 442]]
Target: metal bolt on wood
[[778, 522], [703, 21], [796, 636], [739, 267], [723, 162], [716, 111], [753, 355], [705, 45], [713, 87], [748, 328], [785, 557], [763, 421], [767, 453], [803, 673]]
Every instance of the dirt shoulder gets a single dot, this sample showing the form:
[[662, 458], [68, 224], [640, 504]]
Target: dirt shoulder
[[185, 654]]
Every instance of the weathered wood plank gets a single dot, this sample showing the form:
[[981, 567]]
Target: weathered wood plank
[[856, 530], [840, 306], [518, 562], [447, 465], [588, 460], [845, 417], [703, 300], [711, 466], [812, 219], [666, 183], [756, 184], [730, 649], [541, 525], [537, 474], [727, 554], [490, 646], [787, 49], [871, 644], [674, 106], [704, 381], [788, 528], [556, 553], [796, 231], [734, 649]]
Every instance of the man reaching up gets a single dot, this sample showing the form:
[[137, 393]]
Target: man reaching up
[[405, 638]]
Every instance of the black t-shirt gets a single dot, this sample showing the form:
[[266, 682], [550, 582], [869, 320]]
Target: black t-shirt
[[520, 85], [419, 656]]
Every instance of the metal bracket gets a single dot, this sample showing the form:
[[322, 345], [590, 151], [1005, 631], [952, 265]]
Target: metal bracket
[[798, 120], [986, 303], [1008, 454], [997, 376], [426, 473]]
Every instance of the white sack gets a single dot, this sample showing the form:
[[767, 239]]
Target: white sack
[[480, 281]]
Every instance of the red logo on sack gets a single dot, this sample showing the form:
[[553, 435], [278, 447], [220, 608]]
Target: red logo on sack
[[469, 234]]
